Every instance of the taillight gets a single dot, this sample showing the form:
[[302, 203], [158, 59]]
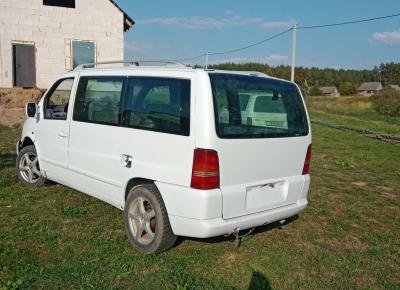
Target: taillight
[[307, 161], [205, 172]]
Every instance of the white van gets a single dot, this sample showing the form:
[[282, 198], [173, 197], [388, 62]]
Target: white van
[[184, 152]]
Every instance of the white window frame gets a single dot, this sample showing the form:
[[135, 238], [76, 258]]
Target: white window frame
[[71, 62]]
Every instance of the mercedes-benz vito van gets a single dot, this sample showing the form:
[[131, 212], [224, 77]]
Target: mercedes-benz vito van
[[184, 152]]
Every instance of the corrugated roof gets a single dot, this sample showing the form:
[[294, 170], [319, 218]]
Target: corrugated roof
[[328, 90], [396, 87], [370, 86], [128, 21]]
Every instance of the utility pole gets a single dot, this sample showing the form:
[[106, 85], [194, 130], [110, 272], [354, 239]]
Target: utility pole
[[207, 60], [293, 52]]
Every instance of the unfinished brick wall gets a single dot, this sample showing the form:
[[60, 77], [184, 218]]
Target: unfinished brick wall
[[51, 30]]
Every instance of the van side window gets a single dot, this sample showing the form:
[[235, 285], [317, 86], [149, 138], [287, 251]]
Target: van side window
[[98, 100], [158, 104], [56, 104]]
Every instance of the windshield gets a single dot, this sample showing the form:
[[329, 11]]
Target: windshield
[[257, 107]]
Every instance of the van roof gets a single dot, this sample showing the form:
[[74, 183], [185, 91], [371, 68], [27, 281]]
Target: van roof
[[170, 67]]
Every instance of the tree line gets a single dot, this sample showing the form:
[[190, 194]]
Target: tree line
[[346, 80]]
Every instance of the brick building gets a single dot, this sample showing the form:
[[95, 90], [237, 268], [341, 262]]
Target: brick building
[[39, 39]]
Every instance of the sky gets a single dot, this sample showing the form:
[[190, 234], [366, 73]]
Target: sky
[[177, 29]]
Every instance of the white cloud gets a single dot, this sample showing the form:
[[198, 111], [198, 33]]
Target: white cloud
[[198, 22], [276, 24], [138, 47], [143, 49], [230, 60], [230, 20], [390, 38], [275, 57]]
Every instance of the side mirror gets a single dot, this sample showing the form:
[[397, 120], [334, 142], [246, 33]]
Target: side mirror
[[30, 109]]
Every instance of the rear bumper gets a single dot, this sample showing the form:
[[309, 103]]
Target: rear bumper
[[199, 213], [188, 227]]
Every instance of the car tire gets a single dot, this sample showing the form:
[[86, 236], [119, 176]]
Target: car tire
[[146, 220], [27, 167]]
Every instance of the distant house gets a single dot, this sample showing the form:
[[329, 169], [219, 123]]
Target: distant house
[[396, 87], [330, 91], [40, 39], [369, 88]]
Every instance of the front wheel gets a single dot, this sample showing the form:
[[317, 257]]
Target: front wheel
[[27, 167], [146, 220]]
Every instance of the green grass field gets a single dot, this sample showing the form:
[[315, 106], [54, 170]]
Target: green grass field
[[354, 112], [348, 237]]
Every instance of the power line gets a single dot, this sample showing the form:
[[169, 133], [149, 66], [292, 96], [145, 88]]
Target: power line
[[348, 22], [288, 30], [192, 58], [251, 45], [237, 49]]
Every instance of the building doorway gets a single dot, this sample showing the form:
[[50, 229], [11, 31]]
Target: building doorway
[[24, 70]]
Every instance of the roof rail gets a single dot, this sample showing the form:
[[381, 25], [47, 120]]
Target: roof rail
[[130, 63]]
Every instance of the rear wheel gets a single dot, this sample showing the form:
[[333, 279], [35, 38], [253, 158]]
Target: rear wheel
[[146, 220], [27, 167]]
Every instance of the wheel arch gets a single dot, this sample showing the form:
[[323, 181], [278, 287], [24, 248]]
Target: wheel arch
[[136, 181], [25, 142]]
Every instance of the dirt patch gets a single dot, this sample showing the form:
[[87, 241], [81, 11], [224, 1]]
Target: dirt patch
[[389, 196], [12, 117], [339, 174], [12, 104], [18, 97], [385, 188], [359, 183], [349, 243]]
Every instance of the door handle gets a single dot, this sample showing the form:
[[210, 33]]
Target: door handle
[[126, 160], [62, 134]]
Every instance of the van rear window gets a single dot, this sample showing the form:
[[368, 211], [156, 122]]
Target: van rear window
[[158, 104], [257, 107]]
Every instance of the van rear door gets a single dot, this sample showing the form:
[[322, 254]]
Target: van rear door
[[262, 145]]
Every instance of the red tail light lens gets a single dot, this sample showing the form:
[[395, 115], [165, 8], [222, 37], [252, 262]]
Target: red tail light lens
[[205, 172], [307, 161]]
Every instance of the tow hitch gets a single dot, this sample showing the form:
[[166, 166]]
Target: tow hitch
[[238, 237]]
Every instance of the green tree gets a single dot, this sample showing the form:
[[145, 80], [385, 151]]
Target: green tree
[[347, 89], [387, 102], [316, 91], [387, 73]]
